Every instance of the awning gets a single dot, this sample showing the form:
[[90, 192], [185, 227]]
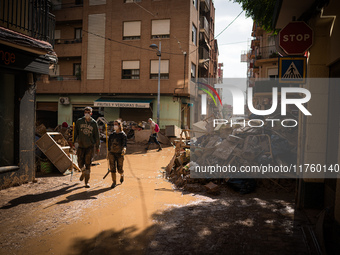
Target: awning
[[123, 103]]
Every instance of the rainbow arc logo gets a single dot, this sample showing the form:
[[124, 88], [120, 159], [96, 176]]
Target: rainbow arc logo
[[204, 97]]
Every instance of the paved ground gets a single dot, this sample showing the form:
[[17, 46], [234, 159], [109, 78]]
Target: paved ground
[[144, 215]]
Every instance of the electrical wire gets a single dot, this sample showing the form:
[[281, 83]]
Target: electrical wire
[[229, 25], [232, 43], [126, 44], [170, 53]]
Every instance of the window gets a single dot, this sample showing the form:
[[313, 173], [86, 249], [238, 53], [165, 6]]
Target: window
[[132, 1], [77, 70], [130, 70], [273, 73], [57, 36], [164, 69], [97, 2], [131, 30], [194, 35], [160, 28], [194, 2], [78, 34], [193, 70]]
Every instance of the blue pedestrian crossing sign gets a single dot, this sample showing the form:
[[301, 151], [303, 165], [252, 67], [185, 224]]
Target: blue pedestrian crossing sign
[[292, 70]]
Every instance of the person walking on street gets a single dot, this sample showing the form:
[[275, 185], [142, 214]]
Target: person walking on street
[[153, 136], [87, 133], [117, 149]]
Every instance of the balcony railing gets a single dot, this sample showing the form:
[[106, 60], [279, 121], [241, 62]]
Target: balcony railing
[[266, 86], [30, 17], [65, 78], [203, 53], [204, 25], [68, 41], [76, 3], [205, 4], [266, 52]]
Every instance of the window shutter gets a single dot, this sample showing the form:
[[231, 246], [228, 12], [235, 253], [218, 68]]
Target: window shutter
[[164, 66], [132, 28], [130, 65], [161, 27]]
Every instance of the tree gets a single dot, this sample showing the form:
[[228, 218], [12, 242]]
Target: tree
[[261, 11]]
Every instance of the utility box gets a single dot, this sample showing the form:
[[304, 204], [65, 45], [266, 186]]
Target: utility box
[[173, 131], [54, 152]]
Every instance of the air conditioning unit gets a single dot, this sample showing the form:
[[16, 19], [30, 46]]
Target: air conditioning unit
[[64, 100]]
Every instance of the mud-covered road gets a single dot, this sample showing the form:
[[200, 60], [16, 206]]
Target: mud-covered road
[[144, 215]]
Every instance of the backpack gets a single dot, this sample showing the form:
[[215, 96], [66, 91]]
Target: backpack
[[156, 128]]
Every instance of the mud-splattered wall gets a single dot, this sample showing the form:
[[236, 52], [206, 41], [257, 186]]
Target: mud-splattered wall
[[22, 168]]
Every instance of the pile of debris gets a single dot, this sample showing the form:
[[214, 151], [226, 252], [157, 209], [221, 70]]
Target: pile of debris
[[236, 146]]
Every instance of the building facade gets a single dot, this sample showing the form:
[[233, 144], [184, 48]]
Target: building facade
[[105, 60], [319, 133], [262, 60], [26, 35]]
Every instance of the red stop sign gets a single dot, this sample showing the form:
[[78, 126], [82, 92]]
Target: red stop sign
[[296, 38]]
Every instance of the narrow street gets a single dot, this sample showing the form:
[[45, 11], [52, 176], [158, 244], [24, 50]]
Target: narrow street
[[144, 215]]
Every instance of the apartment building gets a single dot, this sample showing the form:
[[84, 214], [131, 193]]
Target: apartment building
[[262, 61], [26, 39], [105, 60]]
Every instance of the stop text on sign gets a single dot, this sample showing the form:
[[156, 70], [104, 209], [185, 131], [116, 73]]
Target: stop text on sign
[[298, 37]]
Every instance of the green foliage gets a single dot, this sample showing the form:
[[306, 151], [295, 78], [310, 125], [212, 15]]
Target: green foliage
[[261, 11]]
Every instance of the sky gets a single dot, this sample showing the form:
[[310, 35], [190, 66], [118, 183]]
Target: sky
[[230, 49]]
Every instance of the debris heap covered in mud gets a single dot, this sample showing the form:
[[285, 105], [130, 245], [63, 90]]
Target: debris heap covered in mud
[[234, 147]]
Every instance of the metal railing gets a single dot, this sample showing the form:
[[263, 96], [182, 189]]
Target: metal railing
[[204, 24], [30, 17], [65, 78], [207, 2], [59, 6], [266, 52], [68, 41], [203, 53]]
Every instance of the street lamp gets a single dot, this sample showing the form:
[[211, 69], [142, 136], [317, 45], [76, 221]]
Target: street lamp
[[154, 46]]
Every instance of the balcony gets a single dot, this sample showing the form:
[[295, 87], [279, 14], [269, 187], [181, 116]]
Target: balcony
[[254, 43], [266, 52], [245, 56], [66, 4], [65, 78], [205, 5], [204, 26], [68, 11], [63, 84], [29, 17], [68, 47], [266, 86], [204, 57]]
